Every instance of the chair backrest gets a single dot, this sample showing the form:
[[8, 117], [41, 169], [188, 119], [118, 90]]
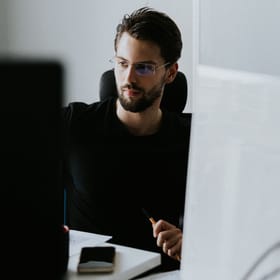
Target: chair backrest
[[174, 97]]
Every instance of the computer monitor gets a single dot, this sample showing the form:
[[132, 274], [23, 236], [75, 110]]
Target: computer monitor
[[33, 241]]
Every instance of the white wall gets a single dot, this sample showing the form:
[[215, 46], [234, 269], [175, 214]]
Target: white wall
[[3, 27], [80, 33], [241, 35]]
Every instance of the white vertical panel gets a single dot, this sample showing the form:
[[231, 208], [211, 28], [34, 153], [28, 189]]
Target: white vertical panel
[[232, 204], [233, 189]]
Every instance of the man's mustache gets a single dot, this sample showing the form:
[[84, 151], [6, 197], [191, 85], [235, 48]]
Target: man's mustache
[[131, 87]]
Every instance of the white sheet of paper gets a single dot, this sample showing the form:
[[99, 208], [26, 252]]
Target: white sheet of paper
[[79, 239]]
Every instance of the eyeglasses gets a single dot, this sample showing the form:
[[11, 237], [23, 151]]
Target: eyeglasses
[[141, 68]]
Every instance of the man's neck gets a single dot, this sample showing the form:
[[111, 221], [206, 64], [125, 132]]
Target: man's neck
[[140, 124]]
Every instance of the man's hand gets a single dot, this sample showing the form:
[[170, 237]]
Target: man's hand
[[169, 237]]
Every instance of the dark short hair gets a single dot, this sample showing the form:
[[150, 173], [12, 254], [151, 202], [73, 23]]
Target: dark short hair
[[157, 27]]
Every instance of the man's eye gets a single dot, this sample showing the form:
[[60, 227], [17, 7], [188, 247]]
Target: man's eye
[[144, 68], [123, 63], [141, 66]]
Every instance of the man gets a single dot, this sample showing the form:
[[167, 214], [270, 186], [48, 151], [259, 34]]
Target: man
[[126, 154]]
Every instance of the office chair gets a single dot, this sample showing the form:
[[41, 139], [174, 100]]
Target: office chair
[[174, 96]]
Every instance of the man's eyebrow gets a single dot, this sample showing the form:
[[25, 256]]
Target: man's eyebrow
[[138, 62], [119, 57]]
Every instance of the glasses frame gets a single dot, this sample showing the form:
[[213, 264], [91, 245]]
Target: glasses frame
[[154, 67]]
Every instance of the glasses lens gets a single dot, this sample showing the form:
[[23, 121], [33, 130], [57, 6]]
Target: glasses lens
[[143, 69]]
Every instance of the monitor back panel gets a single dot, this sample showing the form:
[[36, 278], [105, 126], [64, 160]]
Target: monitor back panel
[[31, 192]]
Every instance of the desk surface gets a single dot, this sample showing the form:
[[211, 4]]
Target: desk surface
[[130, 262]]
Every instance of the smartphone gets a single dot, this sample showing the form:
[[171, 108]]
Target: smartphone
[[97, 259]]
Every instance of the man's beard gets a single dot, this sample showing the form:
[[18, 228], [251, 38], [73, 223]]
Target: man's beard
[[141, 103]]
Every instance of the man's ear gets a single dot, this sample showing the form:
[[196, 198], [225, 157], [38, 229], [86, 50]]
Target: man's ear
[[172, 72]]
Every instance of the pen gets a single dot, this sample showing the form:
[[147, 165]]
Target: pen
[[152, 220]]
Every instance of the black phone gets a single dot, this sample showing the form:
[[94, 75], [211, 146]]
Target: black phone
[[97, 259]]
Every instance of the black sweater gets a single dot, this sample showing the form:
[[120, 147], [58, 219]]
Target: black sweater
[[110, 174]]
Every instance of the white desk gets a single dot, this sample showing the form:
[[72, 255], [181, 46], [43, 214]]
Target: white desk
[[130, 262]]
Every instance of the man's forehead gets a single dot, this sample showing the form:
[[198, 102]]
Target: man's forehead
[[130, 48]]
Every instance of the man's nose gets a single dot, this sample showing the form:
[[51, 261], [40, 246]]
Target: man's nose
[[130, 75]]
